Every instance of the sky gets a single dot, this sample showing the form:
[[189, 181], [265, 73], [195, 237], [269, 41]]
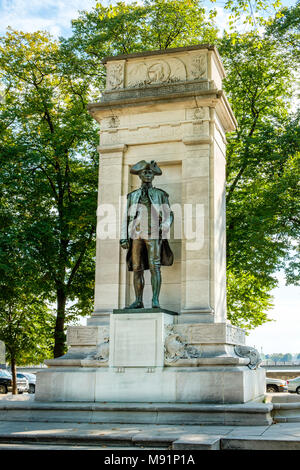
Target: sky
[[283, 333], [55, 15]]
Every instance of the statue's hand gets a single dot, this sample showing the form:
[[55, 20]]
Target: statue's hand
[[124, 244]]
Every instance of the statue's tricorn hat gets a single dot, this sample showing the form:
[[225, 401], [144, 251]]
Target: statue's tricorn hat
[[143, 165]]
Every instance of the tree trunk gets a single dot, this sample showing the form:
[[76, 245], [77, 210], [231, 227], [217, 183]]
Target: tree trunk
[[59, 335], [14, 375]]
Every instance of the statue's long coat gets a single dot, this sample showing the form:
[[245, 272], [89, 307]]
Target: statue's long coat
[[159, 199]]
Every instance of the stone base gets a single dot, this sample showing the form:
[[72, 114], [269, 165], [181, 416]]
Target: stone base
[[210, 384], [144, 357]]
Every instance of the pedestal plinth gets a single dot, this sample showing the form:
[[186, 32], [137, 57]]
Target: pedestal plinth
[[137, 338]]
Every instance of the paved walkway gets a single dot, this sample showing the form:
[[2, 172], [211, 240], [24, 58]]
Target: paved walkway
[[80, 436], [280, 436]]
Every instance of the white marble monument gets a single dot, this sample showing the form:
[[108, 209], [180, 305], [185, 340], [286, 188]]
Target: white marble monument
[[166, 106]]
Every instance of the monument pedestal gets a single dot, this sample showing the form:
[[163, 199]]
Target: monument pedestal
[[147, 357]]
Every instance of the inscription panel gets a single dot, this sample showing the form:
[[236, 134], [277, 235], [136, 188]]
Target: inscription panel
[[235, 335], [135, 343], [216, 333], [207, 334]]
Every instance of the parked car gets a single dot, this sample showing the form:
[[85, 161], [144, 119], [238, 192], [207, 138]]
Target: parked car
[[275, 385], [6, 382], [31, 380], [294, 385]]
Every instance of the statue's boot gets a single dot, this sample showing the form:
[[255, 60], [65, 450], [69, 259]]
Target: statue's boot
[[155, 303], [138, 282], [136, 304]]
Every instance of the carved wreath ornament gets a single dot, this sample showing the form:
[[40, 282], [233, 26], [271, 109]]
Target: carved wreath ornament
[[102, 352], [251, 353], [177, 347]]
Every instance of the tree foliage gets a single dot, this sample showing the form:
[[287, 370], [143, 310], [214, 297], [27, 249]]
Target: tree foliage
[[126, 28], [262, 171], [285, 30], [26, 322], [49, 168]]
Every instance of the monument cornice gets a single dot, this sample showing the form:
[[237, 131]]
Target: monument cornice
[[147, 54], [144, 95], [212, 98], [182, 87]]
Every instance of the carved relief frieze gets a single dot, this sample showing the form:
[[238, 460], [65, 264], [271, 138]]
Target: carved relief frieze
[[151, 72], [198, 68], [143, 72], [115, 75]]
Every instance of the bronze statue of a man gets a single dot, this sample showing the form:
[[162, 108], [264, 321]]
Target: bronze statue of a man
[[145, 231]]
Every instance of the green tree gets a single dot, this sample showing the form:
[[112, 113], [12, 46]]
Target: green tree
[[262, 154], [49, 170], [251, 13], [276, 357], [26, 323], [26, 328], [127, 28], [285, 29], [287, 357], [262, 174]]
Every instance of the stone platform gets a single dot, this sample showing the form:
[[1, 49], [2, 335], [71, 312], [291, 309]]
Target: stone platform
[[145, 357], [250, 414], [207, 384]]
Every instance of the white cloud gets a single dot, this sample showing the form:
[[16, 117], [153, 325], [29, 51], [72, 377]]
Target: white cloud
[[52, 15]]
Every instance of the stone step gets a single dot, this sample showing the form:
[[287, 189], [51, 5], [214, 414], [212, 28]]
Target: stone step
[[259, 443], [47, 447], [44, 441], [104, 437], [288, 412], [249, 414]]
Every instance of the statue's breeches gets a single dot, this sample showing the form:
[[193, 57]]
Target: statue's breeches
[[141, 247]]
